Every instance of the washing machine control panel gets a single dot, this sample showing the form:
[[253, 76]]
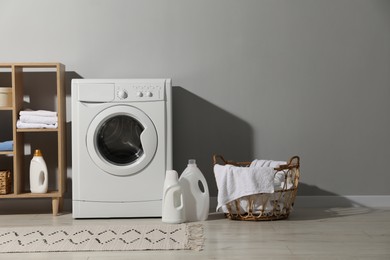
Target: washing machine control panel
[[139, 92]]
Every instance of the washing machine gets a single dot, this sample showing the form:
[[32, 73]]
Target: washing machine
[[121, 146]]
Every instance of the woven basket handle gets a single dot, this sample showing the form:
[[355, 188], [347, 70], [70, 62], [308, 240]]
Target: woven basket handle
[[217, 157], [292, 163]]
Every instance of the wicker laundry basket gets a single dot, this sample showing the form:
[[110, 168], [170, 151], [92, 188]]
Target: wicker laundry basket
[[265, 206], [5, 182]]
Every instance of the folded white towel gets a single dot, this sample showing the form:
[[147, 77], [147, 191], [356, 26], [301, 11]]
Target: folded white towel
[[266, 163], [37, 113], [263, 202], [235, 182], [279, 176], [7, 145], [49, 120], [20, 124]]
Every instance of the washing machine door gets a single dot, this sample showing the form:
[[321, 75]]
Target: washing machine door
[[121, 140]]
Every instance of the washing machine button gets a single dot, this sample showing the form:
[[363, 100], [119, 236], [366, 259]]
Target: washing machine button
[[149, 94], [140, 94], [122, 94]]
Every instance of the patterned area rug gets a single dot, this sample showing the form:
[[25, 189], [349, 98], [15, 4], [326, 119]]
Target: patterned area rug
[[101, 238]]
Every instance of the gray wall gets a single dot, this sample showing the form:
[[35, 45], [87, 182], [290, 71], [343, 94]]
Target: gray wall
[[253, 79]]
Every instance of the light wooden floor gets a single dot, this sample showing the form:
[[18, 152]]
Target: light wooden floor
[[339, 233]]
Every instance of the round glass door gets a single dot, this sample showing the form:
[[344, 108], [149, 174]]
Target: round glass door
[[121, 140]]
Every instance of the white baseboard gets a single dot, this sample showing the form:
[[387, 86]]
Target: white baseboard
[[368, 201]]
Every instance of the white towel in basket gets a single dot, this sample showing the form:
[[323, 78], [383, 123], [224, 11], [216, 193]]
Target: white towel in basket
[[266, 163], [235, 182], [279, 176]]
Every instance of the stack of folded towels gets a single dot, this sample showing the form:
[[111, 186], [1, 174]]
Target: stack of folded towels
[[37, 119], [235, 182]]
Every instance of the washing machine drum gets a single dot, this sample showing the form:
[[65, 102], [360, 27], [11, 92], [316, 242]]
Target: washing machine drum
[[121, 140]]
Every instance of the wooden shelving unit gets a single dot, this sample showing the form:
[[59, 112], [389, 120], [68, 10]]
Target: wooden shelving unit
[[18, 71]]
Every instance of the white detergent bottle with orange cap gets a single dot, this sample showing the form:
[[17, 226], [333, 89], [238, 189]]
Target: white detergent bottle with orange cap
[[38, 173], [196, 192]]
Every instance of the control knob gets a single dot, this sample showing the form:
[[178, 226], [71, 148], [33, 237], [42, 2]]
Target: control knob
[[122, 94]]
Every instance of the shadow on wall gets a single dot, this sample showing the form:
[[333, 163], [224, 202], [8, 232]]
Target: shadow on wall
[[314, 203], [312, 190], [201, 129]]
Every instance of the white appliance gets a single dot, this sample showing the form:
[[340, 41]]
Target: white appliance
[[121, 146]]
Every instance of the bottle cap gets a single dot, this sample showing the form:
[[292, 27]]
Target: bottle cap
[[38, 153], [191, 162], [171, 174]]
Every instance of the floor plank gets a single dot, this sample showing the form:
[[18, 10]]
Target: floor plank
[[309, 233]]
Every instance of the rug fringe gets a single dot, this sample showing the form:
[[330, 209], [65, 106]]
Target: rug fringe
[[195, 237]]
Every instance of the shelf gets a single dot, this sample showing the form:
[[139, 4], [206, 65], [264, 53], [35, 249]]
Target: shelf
[[25, 78], [6, 152], [6, 108], [49, 194], [25, 130], [31, 65]]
